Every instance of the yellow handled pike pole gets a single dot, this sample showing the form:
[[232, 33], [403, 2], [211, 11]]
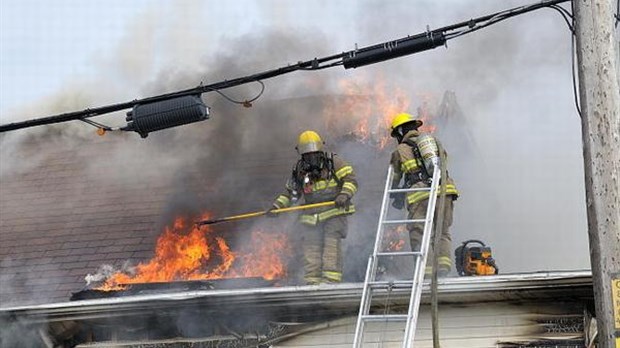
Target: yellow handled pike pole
[[260, 213]]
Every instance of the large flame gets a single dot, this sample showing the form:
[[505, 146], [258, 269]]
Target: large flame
[[367, 110], [186, 252]]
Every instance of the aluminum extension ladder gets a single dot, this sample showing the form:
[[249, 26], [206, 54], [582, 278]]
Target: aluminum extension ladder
[[371, 284]]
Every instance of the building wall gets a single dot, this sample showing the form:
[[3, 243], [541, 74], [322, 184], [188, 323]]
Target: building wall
[[472, 325]]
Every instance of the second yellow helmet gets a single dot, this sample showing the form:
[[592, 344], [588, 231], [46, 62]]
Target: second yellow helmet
[[309, 141]]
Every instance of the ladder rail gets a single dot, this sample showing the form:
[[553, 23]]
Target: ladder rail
[[420, 256], [384, 209], [372, 265], [364, 309], [416, 293]]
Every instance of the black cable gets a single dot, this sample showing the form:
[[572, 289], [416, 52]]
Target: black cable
[[573, 65], [503, 15], [571, 26], [496, 18], [500, 16], [245, 102], [563, 10], [478, 27], [566, 17], [92, 112], [331, 65], [259, 93], [96, 124], [617, 15], [371, 54]]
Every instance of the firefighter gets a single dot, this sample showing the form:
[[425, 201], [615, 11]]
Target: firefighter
[[319, 176], [409, 164]]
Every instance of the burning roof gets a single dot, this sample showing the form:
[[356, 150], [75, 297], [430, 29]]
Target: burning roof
[[187, 252], [116, 200]]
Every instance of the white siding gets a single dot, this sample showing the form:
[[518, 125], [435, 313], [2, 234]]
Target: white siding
[[478, 325]]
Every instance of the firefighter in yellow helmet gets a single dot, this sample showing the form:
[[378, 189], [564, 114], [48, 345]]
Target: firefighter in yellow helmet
[[415, 171], [319, 176]]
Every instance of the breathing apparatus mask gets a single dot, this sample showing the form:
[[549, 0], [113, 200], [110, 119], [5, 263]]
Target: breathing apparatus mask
[[400, 131], [313, 163]]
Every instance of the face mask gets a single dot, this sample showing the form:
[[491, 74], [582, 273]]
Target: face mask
[[402, 130], [398, 134], [313, 161]]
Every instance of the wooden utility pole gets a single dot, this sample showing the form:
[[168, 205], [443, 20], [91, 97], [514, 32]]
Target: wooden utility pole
[[599, 93]]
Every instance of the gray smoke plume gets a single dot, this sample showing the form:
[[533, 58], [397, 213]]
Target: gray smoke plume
[[20, 333], [522, 187]]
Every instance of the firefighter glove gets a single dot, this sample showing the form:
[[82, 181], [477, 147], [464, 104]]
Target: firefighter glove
[[342, 201], [399, 200]]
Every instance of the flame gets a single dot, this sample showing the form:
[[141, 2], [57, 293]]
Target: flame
[[395, 238], [367, 110], [186, 252], [425, 114]]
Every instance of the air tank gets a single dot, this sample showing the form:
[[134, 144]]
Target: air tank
[[429, 151]]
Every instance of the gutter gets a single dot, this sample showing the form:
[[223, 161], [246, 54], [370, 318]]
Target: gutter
[[332, 298]]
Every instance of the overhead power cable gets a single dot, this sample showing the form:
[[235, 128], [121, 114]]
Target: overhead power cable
[[617, 14], [352, 59]]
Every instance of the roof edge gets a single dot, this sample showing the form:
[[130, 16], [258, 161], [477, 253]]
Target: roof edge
[[519, 286]]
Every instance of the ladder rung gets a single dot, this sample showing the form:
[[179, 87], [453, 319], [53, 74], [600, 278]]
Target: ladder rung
[[400, 253], [413, 189], [408, 221], [385, 317], [391, 283], [382, 286]]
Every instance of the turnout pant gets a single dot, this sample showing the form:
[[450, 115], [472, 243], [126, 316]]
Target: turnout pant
[[416, 230], [322, 249]]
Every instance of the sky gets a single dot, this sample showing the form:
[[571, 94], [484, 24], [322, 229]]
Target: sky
[[512, 80], [44, 46]]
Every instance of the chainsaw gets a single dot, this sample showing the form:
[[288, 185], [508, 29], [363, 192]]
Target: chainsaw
[[474, 258]]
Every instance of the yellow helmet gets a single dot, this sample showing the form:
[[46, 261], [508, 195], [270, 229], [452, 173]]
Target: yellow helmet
[[404, 118], [309, 141]]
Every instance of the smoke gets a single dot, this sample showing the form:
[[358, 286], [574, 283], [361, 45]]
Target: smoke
[[522, 189], [17, 284], [17, 332], [105, 271], [521, 185]]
